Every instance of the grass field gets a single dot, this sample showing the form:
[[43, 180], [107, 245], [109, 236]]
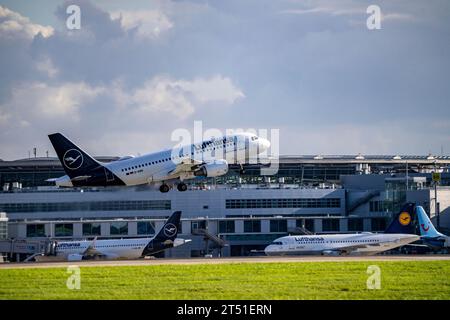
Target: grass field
[[309, 280]]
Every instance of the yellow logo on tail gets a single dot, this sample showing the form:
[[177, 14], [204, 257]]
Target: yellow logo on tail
[[404, 218]]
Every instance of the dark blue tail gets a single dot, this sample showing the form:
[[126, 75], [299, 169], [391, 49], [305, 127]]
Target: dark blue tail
[[404, 221], [170, 229], [165, 237], [75, 161]]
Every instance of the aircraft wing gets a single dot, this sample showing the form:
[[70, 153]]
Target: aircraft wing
[[350, 249], [186, 165], [91, 250]]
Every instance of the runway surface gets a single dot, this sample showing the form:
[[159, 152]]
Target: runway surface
[[192, 261]]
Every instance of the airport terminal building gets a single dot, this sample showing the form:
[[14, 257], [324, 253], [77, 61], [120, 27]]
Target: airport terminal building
[[236, 214]]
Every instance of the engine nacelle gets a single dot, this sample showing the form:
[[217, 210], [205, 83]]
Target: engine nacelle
[[212, 169]]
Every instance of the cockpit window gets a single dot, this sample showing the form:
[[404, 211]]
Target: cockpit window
[[278, 243]]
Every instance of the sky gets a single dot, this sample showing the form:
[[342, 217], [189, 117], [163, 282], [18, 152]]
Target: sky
[[136, 71]]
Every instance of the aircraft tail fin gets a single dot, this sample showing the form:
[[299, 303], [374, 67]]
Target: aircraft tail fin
[[170, 229], [75, 161], [403, 221], [426, 227], [166, 236]]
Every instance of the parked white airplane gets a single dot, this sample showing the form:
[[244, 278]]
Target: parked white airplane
[[122, 248], [399, 233], [206, 159]]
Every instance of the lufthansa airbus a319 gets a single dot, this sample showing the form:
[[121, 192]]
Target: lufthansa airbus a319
[[111, 249], [400, 232], [208, 158]]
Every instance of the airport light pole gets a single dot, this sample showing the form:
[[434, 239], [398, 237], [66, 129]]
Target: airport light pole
[[407, 182], [436, 178]]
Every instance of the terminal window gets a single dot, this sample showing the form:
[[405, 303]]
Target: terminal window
[[35, 230], [119, 228], [63, 229], [355, 225], [226, 226], [309, 225], [278, 225], [91, 229], [3, 230], [330, 225], [378, 224], [145, 227], [201, 224], [252, 226]]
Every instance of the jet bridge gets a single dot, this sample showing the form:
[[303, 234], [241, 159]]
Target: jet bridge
[[207, 237]]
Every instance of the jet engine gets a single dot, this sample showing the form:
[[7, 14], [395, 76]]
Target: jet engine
[[212, 169]]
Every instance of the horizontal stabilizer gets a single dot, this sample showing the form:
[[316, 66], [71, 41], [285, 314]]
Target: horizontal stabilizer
[[80, 178]]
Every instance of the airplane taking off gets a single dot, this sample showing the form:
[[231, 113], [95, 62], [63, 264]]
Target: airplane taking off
[[399, 232], [209, 158], [122, 248], [428, 234]]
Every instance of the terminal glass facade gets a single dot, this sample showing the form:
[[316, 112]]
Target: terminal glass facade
[[282, 203], [86, 206]]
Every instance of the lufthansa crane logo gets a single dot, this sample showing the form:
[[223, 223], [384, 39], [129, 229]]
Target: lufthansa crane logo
[[170, 230], [73, 159], [404, 218]]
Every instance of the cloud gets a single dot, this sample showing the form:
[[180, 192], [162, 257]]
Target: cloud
[[348, 8], [146, 24], [14, 25], [216, 88], [160, 94], [397, 17], [45, 65], [316, 72], [40, 101], [40, 108], [178, 97]]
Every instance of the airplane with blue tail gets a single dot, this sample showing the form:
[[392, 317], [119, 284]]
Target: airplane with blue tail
[[400, 232]]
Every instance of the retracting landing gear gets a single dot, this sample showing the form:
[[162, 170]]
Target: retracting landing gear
[[182, 186], [164, 188]]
